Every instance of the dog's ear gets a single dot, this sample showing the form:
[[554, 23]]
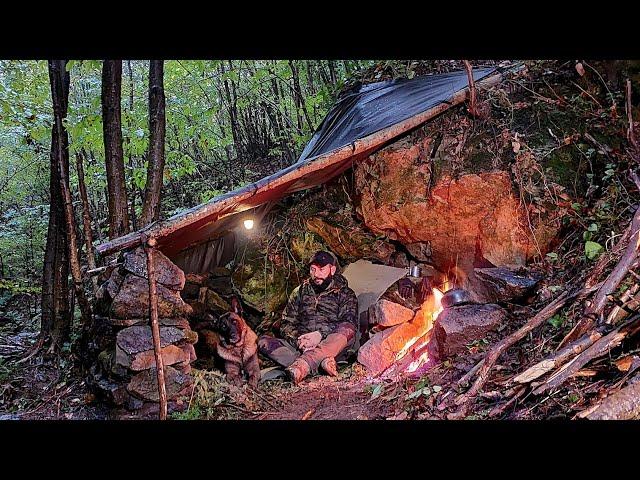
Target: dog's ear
[[236, 307]]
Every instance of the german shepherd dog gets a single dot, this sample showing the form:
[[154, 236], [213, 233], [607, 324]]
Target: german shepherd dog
[[238, 346]]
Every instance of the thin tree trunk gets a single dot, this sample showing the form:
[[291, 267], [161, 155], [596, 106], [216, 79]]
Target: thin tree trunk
[[56, 318], [86, 217], [114, 160], [155, 169], [60, 95], [134, 222]]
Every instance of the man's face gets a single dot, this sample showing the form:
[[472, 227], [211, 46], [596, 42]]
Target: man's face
[[319, 274]]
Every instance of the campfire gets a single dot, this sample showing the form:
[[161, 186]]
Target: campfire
[[403, 348]]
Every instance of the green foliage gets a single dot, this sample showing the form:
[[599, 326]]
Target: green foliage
[[193, 413], [592, 250], [557, 320]]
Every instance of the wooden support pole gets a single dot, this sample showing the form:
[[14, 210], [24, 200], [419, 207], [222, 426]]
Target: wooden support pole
[[150, 244], [472, 89]]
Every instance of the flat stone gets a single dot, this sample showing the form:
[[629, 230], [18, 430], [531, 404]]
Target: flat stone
[[144, 385], [171, 354], [388, 314], [460, 325], [178, 322], [167, 273], [139, 338], [504, 284], [132, 301]]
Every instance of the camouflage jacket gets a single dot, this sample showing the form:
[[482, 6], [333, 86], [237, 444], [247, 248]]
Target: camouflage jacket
[[333, 310]]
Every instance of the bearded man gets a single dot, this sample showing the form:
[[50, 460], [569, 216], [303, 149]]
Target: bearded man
[[318, 325]]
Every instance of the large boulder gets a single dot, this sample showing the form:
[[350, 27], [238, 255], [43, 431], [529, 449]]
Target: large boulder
[[132, 300], [167, 273], [449, 204], [460, 325]]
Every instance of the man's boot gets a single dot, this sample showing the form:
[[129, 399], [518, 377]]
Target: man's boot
[[329, 366], [298, 371]]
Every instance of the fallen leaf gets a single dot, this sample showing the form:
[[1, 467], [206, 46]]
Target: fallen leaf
[[580, 69]]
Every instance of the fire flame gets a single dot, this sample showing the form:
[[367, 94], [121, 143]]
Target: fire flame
[[431, 308]]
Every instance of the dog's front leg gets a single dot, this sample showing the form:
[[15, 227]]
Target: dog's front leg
[[252, 367], [234, 372]]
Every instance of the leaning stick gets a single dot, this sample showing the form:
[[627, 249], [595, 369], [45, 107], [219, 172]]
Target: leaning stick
[[155, 329], [613, 280]]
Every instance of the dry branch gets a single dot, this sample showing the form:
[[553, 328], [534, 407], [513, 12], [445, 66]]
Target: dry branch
[[558, 358], [622, 405], [155, 328], [629, 257], [505, 343], [598, 349]]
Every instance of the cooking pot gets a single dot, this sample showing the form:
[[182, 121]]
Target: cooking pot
[[455, 296]]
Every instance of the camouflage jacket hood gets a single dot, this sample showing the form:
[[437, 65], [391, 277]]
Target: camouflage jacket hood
[[333, 310]]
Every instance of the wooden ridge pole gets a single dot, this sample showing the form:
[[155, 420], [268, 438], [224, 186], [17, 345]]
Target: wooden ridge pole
[[149, 247]]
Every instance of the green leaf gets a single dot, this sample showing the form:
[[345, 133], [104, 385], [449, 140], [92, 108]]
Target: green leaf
[[557, 320], [592, 250], [552, 256]]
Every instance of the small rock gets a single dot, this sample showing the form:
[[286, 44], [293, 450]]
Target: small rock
[[139, 338], [504, 284], [212, 300], [388, 314]]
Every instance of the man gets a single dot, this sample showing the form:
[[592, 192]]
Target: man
[[318, 324]]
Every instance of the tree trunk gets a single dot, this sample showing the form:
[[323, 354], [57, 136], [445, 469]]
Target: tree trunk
[[134, 223], [155, 168], [86, 217], [59, 80], [114, 159], [56, 318]]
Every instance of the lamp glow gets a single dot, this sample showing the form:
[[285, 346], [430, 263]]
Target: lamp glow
[[248, 224]]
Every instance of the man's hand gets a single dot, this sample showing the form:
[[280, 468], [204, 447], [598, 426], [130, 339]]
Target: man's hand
[[309, 340]]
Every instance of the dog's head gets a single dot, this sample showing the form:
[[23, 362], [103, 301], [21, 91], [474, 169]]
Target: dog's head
[[231, 325]]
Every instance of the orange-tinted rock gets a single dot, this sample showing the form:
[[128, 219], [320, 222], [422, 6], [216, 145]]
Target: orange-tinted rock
[[459, 219], [171, 354], [388, 314], [385, 347]]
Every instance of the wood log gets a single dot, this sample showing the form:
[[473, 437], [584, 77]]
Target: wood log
[[596, 350], [505, 343], [622, 405], [558, 358]]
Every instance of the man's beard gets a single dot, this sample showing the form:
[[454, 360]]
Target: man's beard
[[323, 286]]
